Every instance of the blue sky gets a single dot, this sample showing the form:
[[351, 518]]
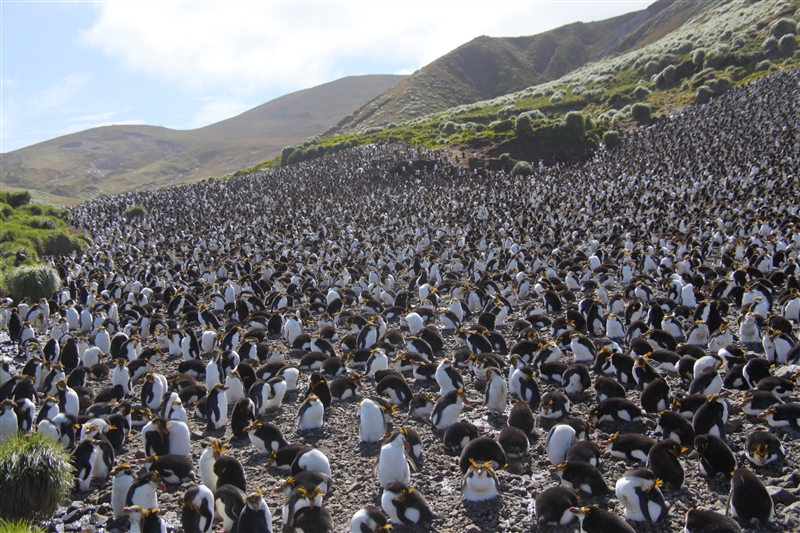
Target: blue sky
[[69, 66]]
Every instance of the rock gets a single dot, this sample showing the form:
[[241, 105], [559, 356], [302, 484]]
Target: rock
[[73, 516], [354, 487], [782, 496]]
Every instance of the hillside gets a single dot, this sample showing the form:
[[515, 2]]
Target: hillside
[[488, 67], [114, 159]]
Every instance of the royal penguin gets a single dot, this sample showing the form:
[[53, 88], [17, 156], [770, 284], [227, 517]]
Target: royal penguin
[[145, 520], [606, 387], [580, 475], [655, 396], [83, 458], [266, 437], [663, 460], [481, 450], [559, 439], [394, 387], [9, 423], [310, 414], [716, 458], [255, 517], [344, 388], [638, 491], [301, 497], [313, 520], [552, 506], [197, 510], [615, 410], [762, 448], [370, 519], [496, 394], [757, 401], [628, 446], [750, 501], [307, 478], [421, 406], [142, 491], [217, 408], [515, 442], [447, 377], [230, 471], [596, 520], [480, 483], [318, 385], [155, 437], [393, 464], [711, 417], [311, 459], [673, 426], [448, 408], [554, 405], [700, 521], [371, 421], [584, 450], [213, 451], [785, 416], [229, 502], [405, 505], [123, 477], [173, 469], [244, 412], [457, 436]]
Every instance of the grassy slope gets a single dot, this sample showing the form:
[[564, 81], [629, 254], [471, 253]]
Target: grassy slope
[[114, 159], [489, 67], [731, 34]]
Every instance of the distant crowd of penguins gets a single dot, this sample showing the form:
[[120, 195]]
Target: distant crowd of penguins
[[672, 259]]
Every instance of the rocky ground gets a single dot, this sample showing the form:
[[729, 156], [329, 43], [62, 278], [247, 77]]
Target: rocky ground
[[439, 479]]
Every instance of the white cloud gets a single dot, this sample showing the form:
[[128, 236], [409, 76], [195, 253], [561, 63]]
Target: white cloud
[[56, 97], [255, 46]]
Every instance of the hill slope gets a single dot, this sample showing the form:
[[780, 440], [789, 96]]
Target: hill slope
[[113, 159], [488, 67]]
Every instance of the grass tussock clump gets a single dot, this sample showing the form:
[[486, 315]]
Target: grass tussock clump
[[134, 212], [35, 477], [35, 282]]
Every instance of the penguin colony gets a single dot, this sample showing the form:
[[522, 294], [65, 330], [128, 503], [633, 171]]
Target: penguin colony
[[383, 338]]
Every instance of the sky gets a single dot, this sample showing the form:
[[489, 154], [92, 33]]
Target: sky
[[70, 66]]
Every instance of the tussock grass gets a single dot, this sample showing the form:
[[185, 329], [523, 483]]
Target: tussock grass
[[34, 282], [35, 477]]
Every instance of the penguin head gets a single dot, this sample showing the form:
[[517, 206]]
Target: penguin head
[[123, 469], [768, 412], [255, 500], [480, 470], [311, 496]]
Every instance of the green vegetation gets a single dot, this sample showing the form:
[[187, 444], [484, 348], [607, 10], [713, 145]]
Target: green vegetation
[[611, 139], [139, 212], [522, 168], [36, 477], [35, 282], [19, 526], [640, 112]]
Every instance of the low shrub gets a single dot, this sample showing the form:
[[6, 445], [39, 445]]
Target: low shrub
[[523, 127], [575, 123], [522, 168], [611, 139], [35, 282], [704, 94], [787, 45], [36, 477], [783, 27], [640, 112], [137, 211]]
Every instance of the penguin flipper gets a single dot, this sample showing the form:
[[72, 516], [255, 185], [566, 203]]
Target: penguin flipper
[[643, 503], [412, 464], [401, 512]]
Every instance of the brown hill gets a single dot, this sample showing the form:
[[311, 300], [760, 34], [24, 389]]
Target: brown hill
[[114, 159], [488, 67]]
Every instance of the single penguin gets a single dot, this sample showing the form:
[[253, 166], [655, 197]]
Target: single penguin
[[559, 439], [750, 501], [576, 379], [480, 483], [584, 450], [266, 437], [554, 405], [229, 501], [615, 410], [393, 465], [313, 520], [514, 442], [370, 519], [319, 385], [785, 416], [142, 491], [457, 436], [311, 459], [310, 414], [255, 517], [606, 387], [757, 401], [301, 497], [216, 408], [496, 394], [447, 377], [448, 408], [638, 491], [421, 406], [711, 417], [716, 458], [210, 454], [371, 421], [762, 448], [552, 506], [145, 520], [663, 461], [230, 471], [596, 520], [655, 396], [123, 477], [698, 521], [9, 423], [628, 446], [396, 389], [344, 388], [197, 510], [244, 412], [405, 505], [83, 458], [481, 450], [173, 469], [155, 437], [580, 475]]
